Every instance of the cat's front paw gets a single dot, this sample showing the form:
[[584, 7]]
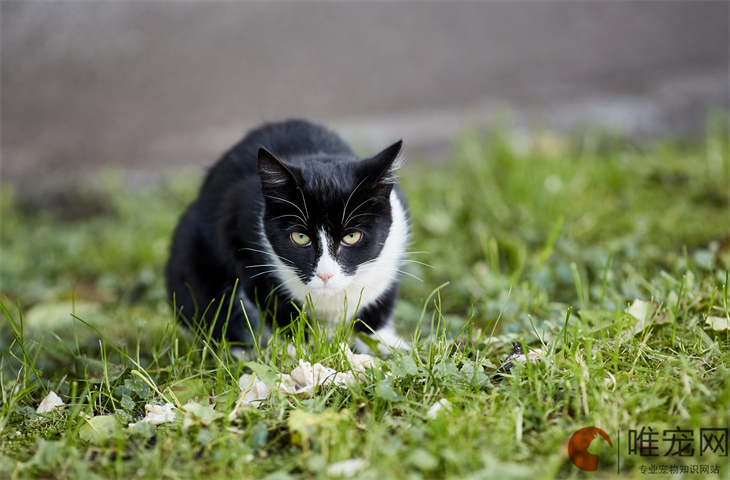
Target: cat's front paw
[[388, 340]]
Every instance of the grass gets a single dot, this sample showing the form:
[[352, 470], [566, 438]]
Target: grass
[[543, 242]]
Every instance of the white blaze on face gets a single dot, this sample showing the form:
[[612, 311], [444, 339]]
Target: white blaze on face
[[370, 281], [328, 276]]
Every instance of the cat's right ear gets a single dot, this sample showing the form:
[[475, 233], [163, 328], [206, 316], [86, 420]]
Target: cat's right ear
[[273, 173]]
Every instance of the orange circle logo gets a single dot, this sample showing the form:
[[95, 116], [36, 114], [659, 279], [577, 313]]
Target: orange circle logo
[[578, 448]]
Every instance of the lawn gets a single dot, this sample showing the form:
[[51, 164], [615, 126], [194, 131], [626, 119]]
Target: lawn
[[546, 241]]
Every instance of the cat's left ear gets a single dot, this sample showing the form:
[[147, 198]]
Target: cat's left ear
[[380, 168], [273, 172]]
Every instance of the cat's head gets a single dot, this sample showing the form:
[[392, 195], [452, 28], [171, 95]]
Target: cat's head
[[328, 219]]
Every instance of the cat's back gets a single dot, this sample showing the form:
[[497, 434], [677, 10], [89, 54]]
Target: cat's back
[[290, 140], [293, 138]]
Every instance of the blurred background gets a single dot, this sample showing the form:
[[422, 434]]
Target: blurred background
[[546, 139], [149, 87]]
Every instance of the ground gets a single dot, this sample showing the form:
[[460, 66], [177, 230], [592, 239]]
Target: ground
[[547, 241]]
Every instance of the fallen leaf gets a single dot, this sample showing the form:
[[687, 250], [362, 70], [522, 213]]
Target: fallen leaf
[[359, 361], [643, 312], [52, 316], [49, 403], [158, 414], [189, 389], [99, 428], [287, 385], [719, 324], [197, 414], [437, 407], [306, 376], [306, 424], [253, 393], [253, 390], [347, 468]]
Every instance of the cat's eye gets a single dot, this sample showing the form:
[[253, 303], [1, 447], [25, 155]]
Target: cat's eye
[[301, 239], [351, 238]]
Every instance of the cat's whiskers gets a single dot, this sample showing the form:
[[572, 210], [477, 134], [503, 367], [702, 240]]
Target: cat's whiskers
[[415, 252], [344, 210], [263, 265], [360, 215], [356, 208], [268, 254], [273, 270], [290, 203], [304, 201], [408, 260], [279, 286], [409, 274], [287, 215], [301, 220]]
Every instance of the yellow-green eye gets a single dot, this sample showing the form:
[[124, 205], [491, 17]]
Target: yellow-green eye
[[351, 238], [301, 239]]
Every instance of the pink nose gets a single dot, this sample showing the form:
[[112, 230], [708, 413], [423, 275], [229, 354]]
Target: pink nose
[[325, 276]]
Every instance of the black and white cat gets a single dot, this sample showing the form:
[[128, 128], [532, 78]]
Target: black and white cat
[[292, 212]]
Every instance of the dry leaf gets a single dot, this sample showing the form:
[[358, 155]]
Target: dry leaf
[[253, 393], [359, 361], [437, 407], [99, 428], [287, 385], [643, 312], [196, 413], [49, 403], [158, 414], [347, 468], [719, 324], [253, 390]]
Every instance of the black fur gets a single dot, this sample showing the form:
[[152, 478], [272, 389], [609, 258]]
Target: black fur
[[279, 176]]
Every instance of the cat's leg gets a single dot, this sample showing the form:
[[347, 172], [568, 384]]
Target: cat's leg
[[249, 326], [388, 340], [377, 323]]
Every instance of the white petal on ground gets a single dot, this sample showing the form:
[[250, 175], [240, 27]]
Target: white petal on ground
[[307, 374], [253, 390], [50, 403], [287, 385], [347, 468], [322, 375], [159, 414], [359, 361], [302, 380], [719, 324], [437, 407], [253, 393], [642, 311], [343, 379]]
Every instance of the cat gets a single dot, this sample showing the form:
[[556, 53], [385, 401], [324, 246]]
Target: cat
[[291, 213]]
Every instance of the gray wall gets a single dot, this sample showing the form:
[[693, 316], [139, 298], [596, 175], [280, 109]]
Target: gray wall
[[158, 85]]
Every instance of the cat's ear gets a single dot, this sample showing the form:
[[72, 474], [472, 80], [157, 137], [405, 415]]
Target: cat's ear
[[273, 172], [380, 167]]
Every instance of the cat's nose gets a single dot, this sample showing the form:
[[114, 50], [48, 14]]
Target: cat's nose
[[325, 276]]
